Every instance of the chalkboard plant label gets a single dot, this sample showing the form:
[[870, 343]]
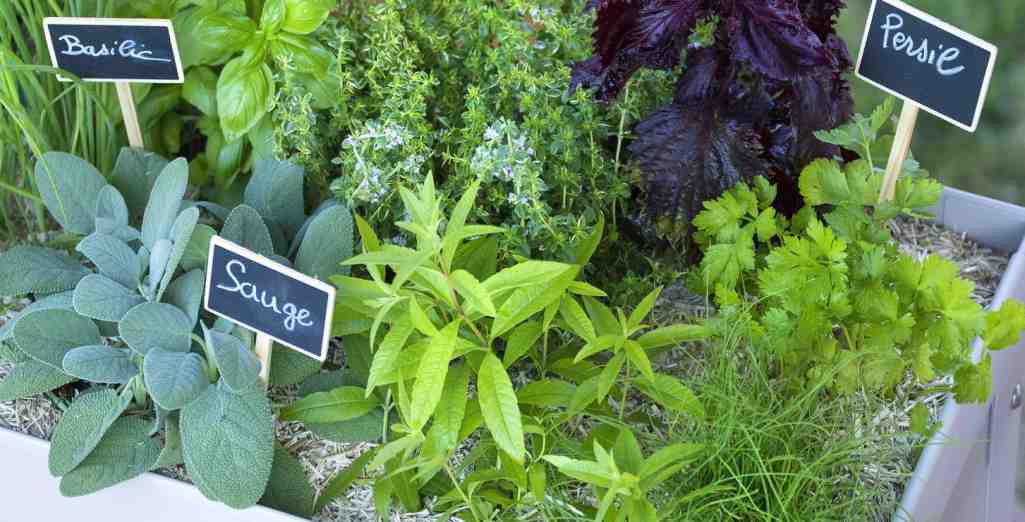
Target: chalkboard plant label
[[931, 63], [269, 298], [115, 49]]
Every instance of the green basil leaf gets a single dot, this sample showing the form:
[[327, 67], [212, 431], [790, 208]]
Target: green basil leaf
[[245, 93], [305, 16]]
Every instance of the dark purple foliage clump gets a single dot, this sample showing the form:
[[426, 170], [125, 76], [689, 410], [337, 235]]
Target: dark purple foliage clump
[[746, 105]]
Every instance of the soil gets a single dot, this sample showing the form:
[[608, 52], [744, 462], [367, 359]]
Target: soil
[[323, 459]]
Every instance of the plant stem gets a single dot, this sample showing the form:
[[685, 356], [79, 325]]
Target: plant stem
[[462, 494]]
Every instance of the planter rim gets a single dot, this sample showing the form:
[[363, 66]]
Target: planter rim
[[32, 494], [971, 435]]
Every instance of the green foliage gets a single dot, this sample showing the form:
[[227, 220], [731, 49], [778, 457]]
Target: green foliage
[[417, 90], [133, 283], [234, 55], [447, 331], [829, 294], [623, 474]]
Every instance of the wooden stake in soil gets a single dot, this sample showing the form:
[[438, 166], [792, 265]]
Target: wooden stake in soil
[[899, 152], [264, 343], [130, 115]]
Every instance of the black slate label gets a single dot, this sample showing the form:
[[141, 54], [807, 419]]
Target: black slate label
[[110, 49], [267, 297], [920, 58]]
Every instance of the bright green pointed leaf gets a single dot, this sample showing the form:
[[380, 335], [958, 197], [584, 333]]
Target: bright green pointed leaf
[[527, 301], [419, 319], [586, 249], [609, 375], [81, 428], [671, 393], [386, 357], [638, 358], [583, 470], [100, 364], [673, 335], [48, 335], [643, 309], [500, 408], [472, 290], [430, 377], [339, 485], [577, 319], [548, 393], [530, 273], [520, 342], [340, 404], [1004, 327]]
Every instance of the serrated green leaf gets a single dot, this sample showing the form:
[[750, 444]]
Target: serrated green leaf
[[627, 452], [238, 365], [584, 470], [527, 301], [386, 357], [125, 452], [1004, 327], [112, 257], [520, 341], [973, 382], [30, 378], [245, 227], [635, 353], [69, 187], [339, 484], [673, 335], [430, 376], [643, 309], [81, 428], [443, 437], [530, 273], [47, 335], [500, 408], [100, 364], [549, 393], [219, 420], [472, 290], [671, 393], [98, 297], [609, 375], [165, 202], [156, 325], [577, 319], [340, 404], [326, 244], [288, 489], [32, 269], [667, 461], [174, 379]]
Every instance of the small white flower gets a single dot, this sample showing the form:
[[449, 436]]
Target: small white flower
[[491, 134]]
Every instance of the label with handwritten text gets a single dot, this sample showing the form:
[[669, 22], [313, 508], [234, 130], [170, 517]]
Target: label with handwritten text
[[107, 49], [917, 57], [269, 298]]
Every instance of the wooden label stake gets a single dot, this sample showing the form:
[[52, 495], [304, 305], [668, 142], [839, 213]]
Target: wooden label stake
[[899, 152], [130, 115], [264, 343]]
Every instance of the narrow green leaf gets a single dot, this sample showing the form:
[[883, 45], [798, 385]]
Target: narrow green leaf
[[340, 404], [420, 320], [430, 377], [443, 437], [643, 309], [471, 289], [671, 393], [636, 354], [500, 408], [577, 319], [520, 342], [340, 483], [673, 335], [550, 393], [609, 375]]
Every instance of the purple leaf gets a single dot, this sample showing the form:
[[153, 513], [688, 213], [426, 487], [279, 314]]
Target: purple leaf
[[772, 38], [690, 154]]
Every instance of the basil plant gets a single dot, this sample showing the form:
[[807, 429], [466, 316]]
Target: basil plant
[[120, 319]]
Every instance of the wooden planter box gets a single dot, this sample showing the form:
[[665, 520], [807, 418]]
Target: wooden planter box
[[970, 468]]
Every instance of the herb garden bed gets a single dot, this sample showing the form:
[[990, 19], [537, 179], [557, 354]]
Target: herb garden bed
[[952, 236]]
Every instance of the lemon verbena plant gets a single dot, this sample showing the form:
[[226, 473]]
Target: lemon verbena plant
[[467, 354]]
